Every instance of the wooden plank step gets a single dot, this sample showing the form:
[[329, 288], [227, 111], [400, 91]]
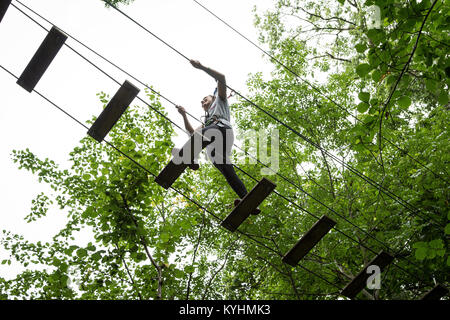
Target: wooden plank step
[[308, 241], [382, 260], [113, 111], [436, 293], [170, 174], [4, 5], [248, 204], [175, 168], [42, 59]]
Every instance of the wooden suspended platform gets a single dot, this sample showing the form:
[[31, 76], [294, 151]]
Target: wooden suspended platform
[[42, 59], [184, 159], [382, 260], [308, 241], [436, 293], [248, 204], [113, 111], [170, 173], [4, 5]]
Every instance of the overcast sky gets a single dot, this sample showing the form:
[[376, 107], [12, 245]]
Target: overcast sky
[[27, 121]]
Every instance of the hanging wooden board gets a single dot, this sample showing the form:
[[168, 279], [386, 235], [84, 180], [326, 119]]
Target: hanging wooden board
[[174, 169], [382, 260], [248, 204], [42, 59], [436, 293], [170, 174], [113, 111], [4, 5], [309, 240]]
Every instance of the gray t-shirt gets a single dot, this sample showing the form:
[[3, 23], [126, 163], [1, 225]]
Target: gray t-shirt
[[220, 109]]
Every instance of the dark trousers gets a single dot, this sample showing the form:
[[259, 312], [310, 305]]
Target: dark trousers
[[220, 157]]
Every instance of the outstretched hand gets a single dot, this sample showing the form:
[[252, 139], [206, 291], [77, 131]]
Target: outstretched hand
[[181, 110], [196, 64]]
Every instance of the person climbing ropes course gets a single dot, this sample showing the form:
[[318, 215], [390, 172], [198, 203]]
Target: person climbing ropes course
[[216, 133]]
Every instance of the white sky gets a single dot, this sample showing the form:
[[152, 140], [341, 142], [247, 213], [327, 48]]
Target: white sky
[[27, 121]]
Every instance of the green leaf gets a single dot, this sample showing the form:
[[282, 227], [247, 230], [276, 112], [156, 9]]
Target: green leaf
[[443, 98], [436, 244], [374, 60], [421, 253], [396, 95], [440, 252], [374, 111], [374, 102], [139, 139], [362, 107], [364, 96], [96, 256], [63, 267], [430, 84], [141, 256], [89, 212], [64, 278], [189, 269], [81, 253], [376, 75], [361, 47], [391, 79], [431, 254], [363, 69], [165, 237], [368, 119], [185, 225], [70, 250], [404, 102], [447, 228], [179, 274], [419, 244], [376, 35], [130, 144], [86, 176]]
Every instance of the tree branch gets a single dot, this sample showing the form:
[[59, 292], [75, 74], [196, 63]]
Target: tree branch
[[326, 19], [188, 290], [217, 272], [401, 75], [133, 283], [144, 244]]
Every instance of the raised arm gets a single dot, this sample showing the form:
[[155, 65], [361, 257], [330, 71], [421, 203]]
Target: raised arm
[[221, 82], [187, 124]]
